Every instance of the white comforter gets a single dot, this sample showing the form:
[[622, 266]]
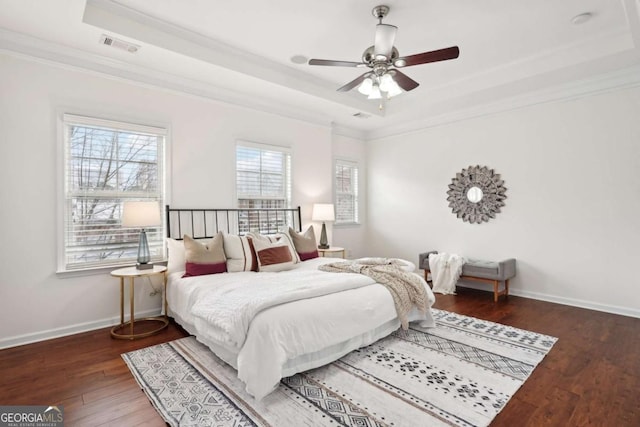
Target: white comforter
[[228, 308], [267, 335]]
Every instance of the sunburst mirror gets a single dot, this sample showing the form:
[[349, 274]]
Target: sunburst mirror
[[476, 194]]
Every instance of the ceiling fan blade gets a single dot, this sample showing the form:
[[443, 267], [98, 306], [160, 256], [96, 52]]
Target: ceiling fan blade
[[426, 57], [332, 63], [404, 81], [353, 83], [385, 37]]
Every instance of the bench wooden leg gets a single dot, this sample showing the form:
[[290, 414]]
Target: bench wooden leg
[[495, 290], [426, 277], [506, 288]]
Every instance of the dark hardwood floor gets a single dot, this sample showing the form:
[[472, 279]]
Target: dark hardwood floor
[[590, 378]]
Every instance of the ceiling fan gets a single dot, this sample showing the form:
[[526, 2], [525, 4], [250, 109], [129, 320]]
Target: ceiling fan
[[384, 60]]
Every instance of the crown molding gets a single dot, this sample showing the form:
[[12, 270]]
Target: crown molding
[[53, 54], [620, 79], [112, 16], [339, 129], [49, 53]]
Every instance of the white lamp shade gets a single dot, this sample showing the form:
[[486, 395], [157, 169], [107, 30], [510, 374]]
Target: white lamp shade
[[140, 214], [323, 212]]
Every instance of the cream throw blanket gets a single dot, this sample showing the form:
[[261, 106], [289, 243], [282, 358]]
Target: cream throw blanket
[[407, 289], [445, 272]]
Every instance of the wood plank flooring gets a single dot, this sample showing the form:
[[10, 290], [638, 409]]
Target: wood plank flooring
[[590, 378]]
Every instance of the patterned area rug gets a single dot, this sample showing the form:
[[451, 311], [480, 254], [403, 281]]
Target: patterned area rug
[[461, 373]]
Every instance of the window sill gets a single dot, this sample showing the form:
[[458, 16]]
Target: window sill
[[346, 224], [82, 272]]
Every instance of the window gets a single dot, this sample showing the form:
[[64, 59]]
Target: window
[[346, 192], [105, 164], [263, 180]]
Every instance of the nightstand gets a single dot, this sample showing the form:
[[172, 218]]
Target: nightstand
[[161, 322], [332, 250]]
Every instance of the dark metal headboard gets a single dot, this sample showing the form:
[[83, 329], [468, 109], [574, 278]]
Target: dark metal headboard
[[205, 223]]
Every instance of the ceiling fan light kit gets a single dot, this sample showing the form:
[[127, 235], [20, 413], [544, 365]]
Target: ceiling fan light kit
[[381, 58]]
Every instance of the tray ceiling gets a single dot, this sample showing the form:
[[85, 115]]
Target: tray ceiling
[[512, 52]]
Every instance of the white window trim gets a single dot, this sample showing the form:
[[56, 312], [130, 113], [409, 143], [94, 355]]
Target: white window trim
[[350, 162], [262, 146], [91, 119]]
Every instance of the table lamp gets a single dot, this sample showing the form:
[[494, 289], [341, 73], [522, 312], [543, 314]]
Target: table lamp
[[323, 212], [141, 215]]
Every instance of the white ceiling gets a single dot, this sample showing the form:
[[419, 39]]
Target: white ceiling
[[512, 52]]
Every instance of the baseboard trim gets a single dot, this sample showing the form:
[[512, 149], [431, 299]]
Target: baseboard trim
[[19, 340], [64, 331], [613, 309]]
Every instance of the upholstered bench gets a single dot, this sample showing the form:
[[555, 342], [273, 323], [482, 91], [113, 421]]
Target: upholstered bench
[[481, 270]]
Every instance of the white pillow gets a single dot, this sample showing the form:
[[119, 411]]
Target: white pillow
[[273, 256], [238, 252], [177, 259]]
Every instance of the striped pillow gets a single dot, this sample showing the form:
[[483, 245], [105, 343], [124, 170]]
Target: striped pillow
[[273, 256], [239, 253], [204, 259], [305, 243]]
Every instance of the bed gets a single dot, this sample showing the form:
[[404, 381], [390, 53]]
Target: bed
[[272, 324]]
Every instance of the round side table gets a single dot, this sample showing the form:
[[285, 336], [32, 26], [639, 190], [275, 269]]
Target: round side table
[[126, 330], [332, 250]]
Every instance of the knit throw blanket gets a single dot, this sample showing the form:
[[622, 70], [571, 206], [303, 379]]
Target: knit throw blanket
[[407, 289]]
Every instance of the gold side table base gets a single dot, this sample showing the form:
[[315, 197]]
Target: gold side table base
[[164, 322], [118, 331]]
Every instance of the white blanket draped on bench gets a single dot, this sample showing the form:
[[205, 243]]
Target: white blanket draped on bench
[[445, 272]]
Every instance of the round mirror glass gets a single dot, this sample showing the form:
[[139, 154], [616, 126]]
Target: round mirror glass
[[474, 195]]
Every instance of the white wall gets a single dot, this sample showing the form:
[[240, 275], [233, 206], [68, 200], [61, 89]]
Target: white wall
[[352, 237], [572, 214], [35, 302]]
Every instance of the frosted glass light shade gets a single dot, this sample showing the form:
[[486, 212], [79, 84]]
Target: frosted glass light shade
[[375, 92], [323, 212], [140, 214], [394, 90], [386, 81], [365, 86]]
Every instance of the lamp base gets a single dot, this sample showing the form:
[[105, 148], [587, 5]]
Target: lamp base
[[324, 244], [145, 266]]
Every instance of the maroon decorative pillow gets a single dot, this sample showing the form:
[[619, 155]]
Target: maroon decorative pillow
[[273, 256], [305, 243], [278, 237], [204, 259]]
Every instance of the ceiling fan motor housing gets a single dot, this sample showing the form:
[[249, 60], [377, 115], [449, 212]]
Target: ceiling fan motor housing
[[368, 56]]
